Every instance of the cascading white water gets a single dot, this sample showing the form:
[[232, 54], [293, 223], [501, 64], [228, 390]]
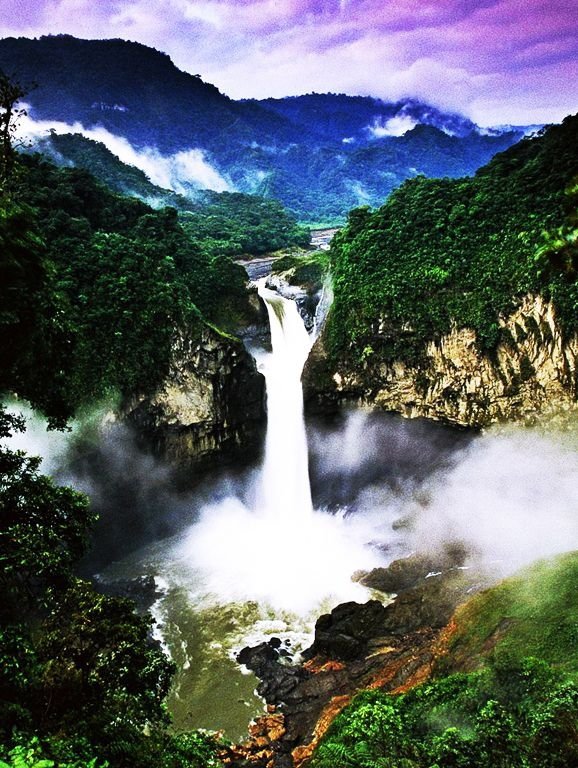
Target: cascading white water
[[285, 491], [272, 545]]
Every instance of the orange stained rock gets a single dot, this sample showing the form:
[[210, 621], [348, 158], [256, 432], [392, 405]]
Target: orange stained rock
[[318, 664], [303, 753], [420, 676], [268, 727]]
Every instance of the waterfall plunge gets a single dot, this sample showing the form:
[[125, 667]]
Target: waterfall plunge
[[285, 493], [277, 550]]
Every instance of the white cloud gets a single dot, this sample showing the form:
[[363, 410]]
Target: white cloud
[[395, 126], [177, 172]]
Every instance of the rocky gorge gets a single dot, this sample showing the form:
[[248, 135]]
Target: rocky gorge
[[212, 402], [533, 370], [394, 641]]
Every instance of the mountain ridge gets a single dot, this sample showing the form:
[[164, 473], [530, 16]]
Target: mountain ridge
[[275, 148]]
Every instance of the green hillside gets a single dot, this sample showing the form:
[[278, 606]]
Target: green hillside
[[516, 708], [117, 279], [442, 251], [534, 613]]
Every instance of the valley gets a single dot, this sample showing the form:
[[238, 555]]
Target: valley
[[300, 374]]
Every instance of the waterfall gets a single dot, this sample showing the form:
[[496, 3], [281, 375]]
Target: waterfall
[[267, 545], [285, 493]]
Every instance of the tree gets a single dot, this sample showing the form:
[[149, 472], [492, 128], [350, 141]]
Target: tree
[[43, 530], [554, 729], [10, 93]]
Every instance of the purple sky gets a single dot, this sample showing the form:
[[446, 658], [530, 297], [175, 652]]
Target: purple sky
[[497, 61]]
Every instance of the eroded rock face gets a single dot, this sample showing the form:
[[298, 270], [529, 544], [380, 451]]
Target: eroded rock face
[[211, 404], [357, 646], [533, 371]]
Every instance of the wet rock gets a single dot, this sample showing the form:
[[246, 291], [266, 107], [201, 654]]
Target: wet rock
[[359, 646], [345, 632], [211, 404], [410, 571], [278, 679], [306, 297]]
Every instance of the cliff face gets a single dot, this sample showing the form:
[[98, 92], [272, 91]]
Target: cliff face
[[533, 370], [211, 404]]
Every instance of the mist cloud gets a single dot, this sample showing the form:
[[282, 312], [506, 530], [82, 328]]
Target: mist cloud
[[512, 498], [510, 494], [178, 172], [395, 126]]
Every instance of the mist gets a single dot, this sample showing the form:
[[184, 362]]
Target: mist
[[511, 497], [398, 125], [179, 172], [508, 494], [382, 487]]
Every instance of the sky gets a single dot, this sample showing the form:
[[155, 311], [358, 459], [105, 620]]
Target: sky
[[496, 61]]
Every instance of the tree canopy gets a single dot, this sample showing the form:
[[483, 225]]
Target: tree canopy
[[443, 251]]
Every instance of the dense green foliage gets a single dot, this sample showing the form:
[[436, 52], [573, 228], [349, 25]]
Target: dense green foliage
[[510, 715], [97, 286], [442, 251], [94, 288], [304, 268], [320, 155], [235, 224], [81, 682]]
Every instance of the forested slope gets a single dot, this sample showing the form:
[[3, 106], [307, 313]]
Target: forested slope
[[462, 251], [96, 284], [93, 286], [457, 299]]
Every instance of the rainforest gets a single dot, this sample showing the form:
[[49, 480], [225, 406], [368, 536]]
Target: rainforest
[[288, 434]]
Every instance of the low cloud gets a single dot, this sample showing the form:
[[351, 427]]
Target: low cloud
[[395, 126], [178, 172]]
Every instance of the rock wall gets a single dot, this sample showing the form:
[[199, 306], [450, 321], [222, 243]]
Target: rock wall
[[532, 370], [211, 406]]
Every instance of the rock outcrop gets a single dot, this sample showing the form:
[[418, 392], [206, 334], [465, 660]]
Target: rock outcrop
[[306, 296], [211, 403], [357, 646], [532, 370]]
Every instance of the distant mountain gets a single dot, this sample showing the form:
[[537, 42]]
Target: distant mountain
[[131, 90], [352, 119], [320, 154]]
